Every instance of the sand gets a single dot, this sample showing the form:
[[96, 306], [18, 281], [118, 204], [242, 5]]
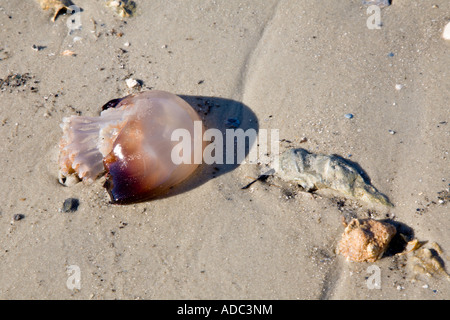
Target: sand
[[295, 66]]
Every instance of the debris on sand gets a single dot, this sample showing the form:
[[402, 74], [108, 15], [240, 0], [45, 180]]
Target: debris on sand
[[70, 205], [426, 260], [57, 6], [123, 8], [18, 216], [446, 33], [365, 240], [131, 83], [319, 171]]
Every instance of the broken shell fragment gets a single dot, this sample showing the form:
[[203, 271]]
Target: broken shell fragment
[[318, 171], [446, 32], [411, 245], [427, 261], [365, 240], [123, 8], [56, 5], [132, 141]]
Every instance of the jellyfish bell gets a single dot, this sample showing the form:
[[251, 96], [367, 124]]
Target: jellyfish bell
[[132, 142]]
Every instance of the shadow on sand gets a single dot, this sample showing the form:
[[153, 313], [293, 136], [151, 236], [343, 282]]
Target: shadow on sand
[[221, 114]]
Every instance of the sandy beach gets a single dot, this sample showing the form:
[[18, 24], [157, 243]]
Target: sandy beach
[[313, 70]]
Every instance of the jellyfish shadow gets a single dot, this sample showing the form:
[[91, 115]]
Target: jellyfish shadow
[[220, 114]]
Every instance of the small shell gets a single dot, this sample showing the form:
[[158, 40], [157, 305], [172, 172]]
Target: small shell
[[446, 32], [68, 53], [56, 5], [123, 8], [427, 261], [365, 240], [132, 141]]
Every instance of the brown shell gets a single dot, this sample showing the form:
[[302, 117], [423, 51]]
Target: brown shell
[[365, 240]]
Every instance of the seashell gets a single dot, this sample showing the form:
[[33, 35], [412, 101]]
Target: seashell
[[446, 32], [365, 240], [427, 261], [123, 8], [131, 141], [318, 171], [56, 5]]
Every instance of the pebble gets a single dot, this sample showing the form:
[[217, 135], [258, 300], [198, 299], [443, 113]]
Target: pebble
[[446, 33], [70, 205], [398, 87], [131, 83], [18, 217], [392, 132], [37, 48], [348, 116]]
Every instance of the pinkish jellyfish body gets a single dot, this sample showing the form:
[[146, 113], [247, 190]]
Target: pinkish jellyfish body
[[131, 141]]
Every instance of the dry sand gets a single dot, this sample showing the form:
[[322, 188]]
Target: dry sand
[[296, 66]]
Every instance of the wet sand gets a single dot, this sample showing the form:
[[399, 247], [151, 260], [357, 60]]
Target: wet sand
[[295, 66]]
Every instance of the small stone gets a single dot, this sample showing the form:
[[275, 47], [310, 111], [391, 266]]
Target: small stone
[[114, 3], [131, 83], [18, 217], [392, 132], [70, 205], [348, 116], [37, 48], [126, 44], [446, 33], [68, 53], [379, 3], [398, 87]]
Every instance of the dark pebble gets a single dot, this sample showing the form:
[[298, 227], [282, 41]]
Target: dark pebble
[[18, 217], [70, 205]]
